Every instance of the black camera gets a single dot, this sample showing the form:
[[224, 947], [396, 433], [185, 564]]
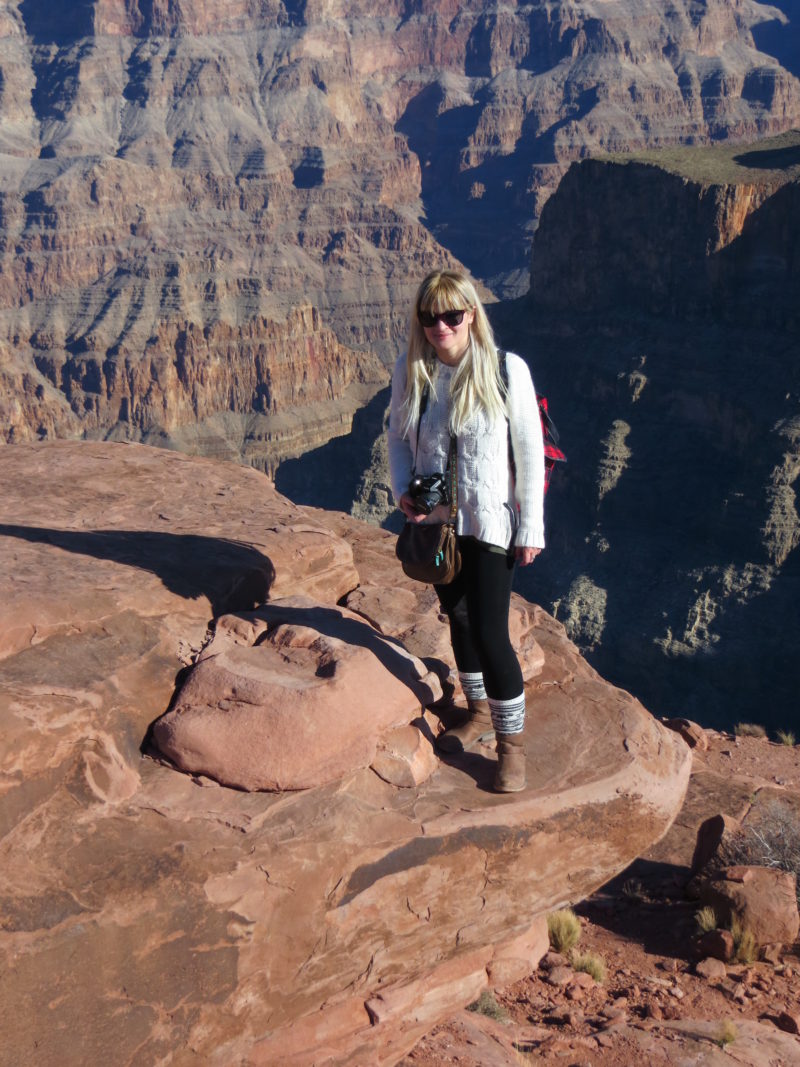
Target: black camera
[[428, 491]]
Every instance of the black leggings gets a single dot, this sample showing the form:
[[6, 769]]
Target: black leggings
[[477, 603]]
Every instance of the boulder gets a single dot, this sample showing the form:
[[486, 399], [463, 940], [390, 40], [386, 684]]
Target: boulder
[[692, 734], [711, 968], [294, 695], [199, 923], [762, 899], [715, 944]]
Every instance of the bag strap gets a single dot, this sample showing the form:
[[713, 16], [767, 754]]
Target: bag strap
[[452, 466]]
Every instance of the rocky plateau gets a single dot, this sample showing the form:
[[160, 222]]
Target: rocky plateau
[[157, 915]]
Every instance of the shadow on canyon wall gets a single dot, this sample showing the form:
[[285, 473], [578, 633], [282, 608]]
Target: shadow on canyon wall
[[658, 558], [329, 477]]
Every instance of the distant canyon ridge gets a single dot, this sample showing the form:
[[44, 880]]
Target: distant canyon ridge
[[213, 215]]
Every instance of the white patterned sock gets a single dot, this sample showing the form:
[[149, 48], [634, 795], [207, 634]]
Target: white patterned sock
[[508, 716], [472, 686]]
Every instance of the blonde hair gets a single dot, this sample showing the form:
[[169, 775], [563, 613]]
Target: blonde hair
[[476, 383]]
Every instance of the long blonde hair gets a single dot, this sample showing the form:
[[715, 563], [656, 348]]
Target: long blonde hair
[[476, 382]]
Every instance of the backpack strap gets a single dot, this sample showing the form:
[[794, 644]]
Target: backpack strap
[[503, 368]]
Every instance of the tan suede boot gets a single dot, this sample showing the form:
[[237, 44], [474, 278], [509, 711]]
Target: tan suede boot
[[510, 776], [478, 727]]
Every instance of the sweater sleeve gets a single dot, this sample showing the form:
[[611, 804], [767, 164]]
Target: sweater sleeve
[[526, 440], [400, 457]]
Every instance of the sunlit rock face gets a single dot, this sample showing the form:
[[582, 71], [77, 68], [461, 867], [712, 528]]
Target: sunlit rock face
[[178, 175], [353, 889]]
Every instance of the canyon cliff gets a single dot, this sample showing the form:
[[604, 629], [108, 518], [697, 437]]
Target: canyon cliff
[[189, 177], [663, 321]]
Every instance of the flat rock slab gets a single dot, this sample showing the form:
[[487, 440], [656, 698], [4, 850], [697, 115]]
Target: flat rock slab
[[151, 916]]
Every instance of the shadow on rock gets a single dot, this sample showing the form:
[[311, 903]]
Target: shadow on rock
[[330, 622], [232, 575]]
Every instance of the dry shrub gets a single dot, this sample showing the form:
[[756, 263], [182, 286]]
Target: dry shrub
[[563, 929], [486, 1004], [771, 839], [786, 737], [590, 963], [749, 729]]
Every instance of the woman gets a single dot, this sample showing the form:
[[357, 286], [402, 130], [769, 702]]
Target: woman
[[451, 373]]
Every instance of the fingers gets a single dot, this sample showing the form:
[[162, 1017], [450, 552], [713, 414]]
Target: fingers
[[526, 555]]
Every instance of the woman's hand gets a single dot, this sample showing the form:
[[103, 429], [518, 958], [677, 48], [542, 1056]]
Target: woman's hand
[[441, 513], [525, 555], [406, 505]]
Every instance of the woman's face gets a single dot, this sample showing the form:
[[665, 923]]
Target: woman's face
[[450, 342]]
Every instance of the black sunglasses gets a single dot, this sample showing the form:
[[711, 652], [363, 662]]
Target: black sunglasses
[[449, 318]]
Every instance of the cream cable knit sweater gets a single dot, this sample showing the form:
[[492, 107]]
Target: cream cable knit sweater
[[487, 494]]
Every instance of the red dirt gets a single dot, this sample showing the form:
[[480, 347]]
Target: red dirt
[[643, 925]]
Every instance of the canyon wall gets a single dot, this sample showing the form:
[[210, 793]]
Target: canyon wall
[[662, 322], [177, 170]]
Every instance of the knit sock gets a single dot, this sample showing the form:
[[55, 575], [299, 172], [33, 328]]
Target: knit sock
[[508, 716], [472, 685]]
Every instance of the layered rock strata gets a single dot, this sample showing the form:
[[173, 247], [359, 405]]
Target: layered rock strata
[[663, 325], [169, 170], [198, 922]]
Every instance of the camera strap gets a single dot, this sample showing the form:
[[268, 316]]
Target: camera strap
[[452, 457]]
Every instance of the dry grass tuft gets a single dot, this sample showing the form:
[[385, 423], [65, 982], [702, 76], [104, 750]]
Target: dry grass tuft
[[706, 919], [564, 930], [786, 737], [749, 729], [727, 1034], [590, 964], [745, 948]]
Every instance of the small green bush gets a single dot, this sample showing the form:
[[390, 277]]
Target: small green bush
[[486, 1004], [590, 963], [706, 919], [564, 930], [786, 737], [749, 729]]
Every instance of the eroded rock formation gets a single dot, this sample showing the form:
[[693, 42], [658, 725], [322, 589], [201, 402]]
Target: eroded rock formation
[[663, 323], [176, 174], [152, 916]]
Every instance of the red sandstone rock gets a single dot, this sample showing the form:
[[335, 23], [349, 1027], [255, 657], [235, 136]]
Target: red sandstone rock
[[294, 695], [406, 756], [228, 926], [692, 734], [711, 968], [717, 944], [763, 899]]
